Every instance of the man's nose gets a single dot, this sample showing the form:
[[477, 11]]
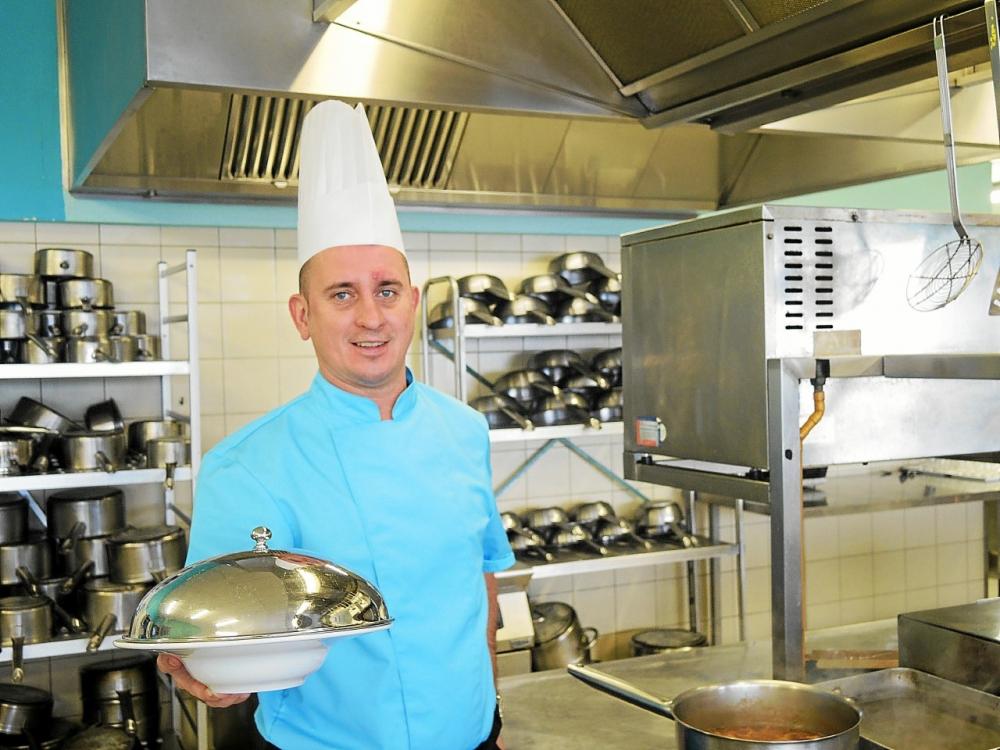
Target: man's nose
[[369, 313]]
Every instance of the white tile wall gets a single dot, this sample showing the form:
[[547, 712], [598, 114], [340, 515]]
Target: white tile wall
[[858, 567]]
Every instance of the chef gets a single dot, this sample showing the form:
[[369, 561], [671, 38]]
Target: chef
[[373, 471]]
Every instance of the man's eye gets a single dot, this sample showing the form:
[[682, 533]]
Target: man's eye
[[386, 293], [341, 296]]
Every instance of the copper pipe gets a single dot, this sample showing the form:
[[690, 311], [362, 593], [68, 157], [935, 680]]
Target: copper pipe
[[819, 409]]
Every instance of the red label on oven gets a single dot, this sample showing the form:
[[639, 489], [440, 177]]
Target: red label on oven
[[648, 431]]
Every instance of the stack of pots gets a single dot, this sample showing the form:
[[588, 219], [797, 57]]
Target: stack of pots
[[62, 313], [23, 619], [123, 693]]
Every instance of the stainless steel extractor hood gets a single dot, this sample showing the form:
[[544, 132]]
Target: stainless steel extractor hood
[[662, 108]]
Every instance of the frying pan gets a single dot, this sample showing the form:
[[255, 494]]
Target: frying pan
[[525, 386], [609, 364], [566, 408], [573, 535], [578, 310], [484, 288], [501, 411], [610, 530], [609, 293], [475, 312], [560, 364], [552, 289], [525, 309], [579, 267], [609, 406]]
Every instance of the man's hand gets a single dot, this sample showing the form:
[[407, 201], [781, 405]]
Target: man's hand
[[500, 745], [174, 667]]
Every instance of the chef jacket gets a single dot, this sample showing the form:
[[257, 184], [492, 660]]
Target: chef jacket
[[406, 503]]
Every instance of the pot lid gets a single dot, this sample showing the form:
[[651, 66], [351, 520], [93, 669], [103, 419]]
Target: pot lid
[[22, 603], [23, 695], [551, 620], [145, 534], [85, 493], [664, 638], [256, 594]]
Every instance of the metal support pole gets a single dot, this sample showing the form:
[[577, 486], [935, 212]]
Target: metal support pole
[[458, 329], [741, 567], [784, 463], [502, 487], [714, 579], [694, 587], [593, 462]]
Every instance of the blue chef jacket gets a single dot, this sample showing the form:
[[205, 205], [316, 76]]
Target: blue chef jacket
[[406, 503]]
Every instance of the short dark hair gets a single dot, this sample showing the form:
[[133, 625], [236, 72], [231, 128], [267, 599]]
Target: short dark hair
[[303, 273]]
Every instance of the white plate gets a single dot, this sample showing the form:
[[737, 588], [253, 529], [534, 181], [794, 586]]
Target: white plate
[[252, 665]]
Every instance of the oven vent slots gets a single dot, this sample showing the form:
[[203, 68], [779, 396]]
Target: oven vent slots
[[808, 260], [417, 146]]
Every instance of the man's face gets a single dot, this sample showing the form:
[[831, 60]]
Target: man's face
[[357, 305]]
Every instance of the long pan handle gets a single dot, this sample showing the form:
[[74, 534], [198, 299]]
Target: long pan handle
[[941, 58], [623, 690]]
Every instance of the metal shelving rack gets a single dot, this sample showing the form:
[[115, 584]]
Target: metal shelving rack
[[163, 369], [710, 549]]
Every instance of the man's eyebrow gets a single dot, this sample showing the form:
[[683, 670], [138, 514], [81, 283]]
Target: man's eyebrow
[[338, 285]]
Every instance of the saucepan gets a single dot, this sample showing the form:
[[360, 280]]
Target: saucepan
[[21, 288], [541, 519], [49, 323], [42, 590], [745, 715], [33, 553], [15, 452], [43, 350], [660, 519], [61, 262], [108, 607], [590, 513], [11, 351], [83, 550], [611, 530], [13, 518], [24, 709], [475, 312], [128, 322], [561, 364], [124, 348], [148, 347], [572, 535], [553, 289], [528, 542], [104, 417], [142, 431], [485, 288], [93, 451], [147, 554], [94, 323], [525, 309], [31, 413], [168, 453], [501, 411], [88, 349], [101, 510]]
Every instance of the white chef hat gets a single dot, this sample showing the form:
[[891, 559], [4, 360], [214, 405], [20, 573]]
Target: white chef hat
[[343, 196]]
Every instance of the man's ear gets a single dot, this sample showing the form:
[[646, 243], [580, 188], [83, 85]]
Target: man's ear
[[298, 308]]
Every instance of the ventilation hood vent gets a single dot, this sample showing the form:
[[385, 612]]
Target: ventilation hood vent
[[417, 146], [656, 108]]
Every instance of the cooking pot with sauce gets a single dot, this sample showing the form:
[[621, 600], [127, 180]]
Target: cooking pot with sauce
[[745, 715]]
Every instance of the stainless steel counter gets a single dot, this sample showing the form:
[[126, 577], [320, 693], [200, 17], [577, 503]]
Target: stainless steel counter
[[553, 711]]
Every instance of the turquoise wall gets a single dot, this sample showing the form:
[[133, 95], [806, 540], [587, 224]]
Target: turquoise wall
[[31, 184]]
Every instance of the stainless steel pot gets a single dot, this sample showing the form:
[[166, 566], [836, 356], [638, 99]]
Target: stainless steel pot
[[104, 417], [11, 351], [92, 549], [661, 640], [129, 711], [147, 554], [124, 348], [43, 350], [86, 323], [88, 349], [47, 589], [559, 638], [31, 413], [168, 453], [27, 617], [148, 347], [128, 322], [142, 431], [15, 453], [590, 513], [541, 519], [24, 709], [13, 518], [101, 510], [33, 553], [49, 323], [86, 294], [63, 262], [135, 674], [92, 451], [12, 323], [747, 715], [109, 607], [21, 288]]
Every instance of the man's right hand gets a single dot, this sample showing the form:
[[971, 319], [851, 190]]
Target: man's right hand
[[174, 667]]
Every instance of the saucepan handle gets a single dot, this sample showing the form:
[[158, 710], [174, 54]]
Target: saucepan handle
[[622, 690]]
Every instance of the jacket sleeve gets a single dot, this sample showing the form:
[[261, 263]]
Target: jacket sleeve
[[229, 503], [497, 554]]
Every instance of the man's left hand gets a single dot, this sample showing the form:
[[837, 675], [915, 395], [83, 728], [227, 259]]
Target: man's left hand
[[500, 745]]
